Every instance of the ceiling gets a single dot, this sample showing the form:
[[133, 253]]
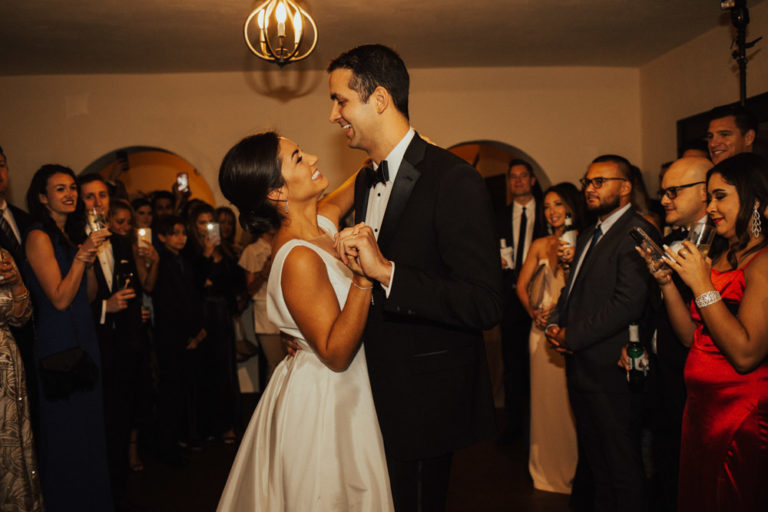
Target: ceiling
[[159, 36]]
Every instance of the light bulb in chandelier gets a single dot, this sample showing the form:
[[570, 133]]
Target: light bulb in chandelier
[[281, 30]]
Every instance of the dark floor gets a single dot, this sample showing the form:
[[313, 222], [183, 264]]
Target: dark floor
[[485, 478]]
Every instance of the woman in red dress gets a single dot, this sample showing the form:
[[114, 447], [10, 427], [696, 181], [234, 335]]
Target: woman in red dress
[[724, 452]]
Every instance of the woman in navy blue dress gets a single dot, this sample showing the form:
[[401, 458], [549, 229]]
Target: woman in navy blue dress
[[72, 455]]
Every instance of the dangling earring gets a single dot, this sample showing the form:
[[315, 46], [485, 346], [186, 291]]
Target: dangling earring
[[757, 222]]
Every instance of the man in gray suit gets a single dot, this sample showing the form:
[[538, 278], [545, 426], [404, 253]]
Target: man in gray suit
[[607, 290]]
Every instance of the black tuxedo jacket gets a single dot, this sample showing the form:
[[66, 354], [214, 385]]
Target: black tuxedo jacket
[[120, 334], [23, 222], [612, 289], [424, 345]]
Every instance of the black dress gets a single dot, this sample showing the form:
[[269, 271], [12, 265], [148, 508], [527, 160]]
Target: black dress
[[72, 449]]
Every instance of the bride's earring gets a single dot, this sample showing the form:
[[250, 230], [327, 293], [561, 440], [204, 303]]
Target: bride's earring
[[757, 222]]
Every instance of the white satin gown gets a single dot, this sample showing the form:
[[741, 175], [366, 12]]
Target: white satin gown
[[313, 443]]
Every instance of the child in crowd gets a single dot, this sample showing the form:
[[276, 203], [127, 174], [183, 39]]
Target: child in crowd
[[178, 333]]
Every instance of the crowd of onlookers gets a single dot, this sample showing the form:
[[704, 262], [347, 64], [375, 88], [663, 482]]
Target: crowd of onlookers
[[124, 312], [677, 426]]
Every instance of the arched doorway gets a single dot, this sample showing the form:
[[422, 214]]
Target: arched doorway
[[491, 159], [144, 169]]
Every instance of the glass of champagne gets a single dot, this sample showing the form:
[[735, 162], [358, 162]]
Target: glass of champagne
[[701, 235], [96, 220]]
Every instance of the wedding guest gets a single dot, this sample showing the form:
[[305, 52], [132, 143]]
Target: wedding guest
[[552, 455], [142, 209], [117, 312], [256, 261], [19, 483], [162, 204], [518, 225], [684, 198], [726, 373], [220, 281], [732, 130], [73, 453], [178, 333], [606, 291], [14, 223], [121, 219], [227, 222]]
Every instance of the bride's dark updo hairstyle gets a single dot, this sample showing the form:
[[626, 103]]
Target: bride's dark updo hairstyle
[[249, 171]]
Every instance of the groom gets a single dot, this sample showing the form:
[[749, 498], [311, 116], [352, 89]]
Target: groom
[[438, 282]]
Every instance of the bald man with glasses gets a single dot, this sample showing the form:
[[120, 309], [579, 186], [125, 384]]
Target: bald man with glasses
[[683, 196]]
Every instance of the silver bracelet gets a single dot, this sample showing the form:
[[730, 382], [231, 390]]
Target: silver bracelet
[[361, 287], [21, 298], [707, 299]]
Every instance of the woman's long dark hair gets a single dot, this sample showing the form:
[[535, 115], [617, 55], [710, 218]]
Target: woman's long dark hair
[[249, 171], [196, 209], [574, 202], [748, 172], [74, 228]]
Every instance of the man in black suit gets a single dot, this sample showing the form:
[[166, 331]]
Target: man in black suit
[[437, 277], [14, 223], [117, 312], [518, 225], [684, 199], [608, 289]]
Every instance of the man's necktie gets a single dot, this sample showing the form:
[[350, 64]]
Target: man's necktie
[[13, 243], [521, 241], [595, 237], [380, 175]]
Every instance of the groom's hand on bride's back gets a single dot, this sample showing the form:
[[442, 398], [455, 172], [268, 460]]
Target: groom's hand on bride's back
[[290, 346]]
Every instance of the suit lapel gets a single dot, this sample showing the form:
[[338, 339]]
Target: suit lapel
[[407, 176], [362, 190], [610, 239]]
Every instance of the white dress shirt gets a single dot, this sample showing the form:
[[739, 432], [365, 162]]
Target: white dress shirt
[[530, 215], [8, 216], [378, 195], [107, 263]]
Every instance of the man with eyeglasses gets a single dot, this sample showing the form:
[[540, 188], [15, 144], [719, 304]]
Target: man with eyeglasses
[[608, 289], [684, 198]]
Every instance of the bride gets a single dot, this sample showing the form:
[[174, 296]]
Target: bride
[[313, 443]]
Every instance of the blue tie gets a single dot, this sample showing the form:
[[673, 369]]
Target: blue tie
[[595, 237]]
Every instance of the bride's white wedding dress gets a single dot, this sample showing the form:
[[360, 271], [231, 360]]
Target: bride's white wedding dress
[[313, 443]]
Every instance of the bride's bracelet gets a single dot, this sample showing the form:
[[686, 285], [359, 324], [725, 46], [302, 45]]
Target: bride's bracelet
[[707, 299], [362, 287]]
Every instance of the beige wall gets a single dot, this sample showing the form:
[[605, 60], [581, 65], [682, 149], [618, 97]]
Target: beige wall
[[562, 117], [694, 78]]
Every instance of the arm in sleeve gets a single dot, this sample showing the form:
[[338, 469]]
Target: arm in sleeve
[[464, 289]]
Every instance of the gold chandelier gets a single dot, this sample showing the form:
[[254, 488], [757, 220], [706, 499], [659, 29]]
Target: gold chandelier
[[281, 29]]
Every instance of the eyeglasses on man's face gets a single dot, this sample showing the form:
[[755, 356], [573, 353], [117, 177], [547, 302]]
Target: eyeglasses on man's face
[[597, 182], [671, 192]]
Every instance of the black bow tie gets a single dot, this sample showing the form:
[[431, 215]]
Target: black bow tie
[[380, 175]]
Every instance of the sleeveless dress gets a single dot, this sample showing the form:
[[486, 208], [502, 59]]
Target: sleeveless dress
[[72, 447], [552, 455], [724, 450], [313, 443]]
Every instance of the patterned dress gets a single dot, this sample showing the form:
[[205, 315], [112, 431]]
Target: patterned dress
[[19, 479]]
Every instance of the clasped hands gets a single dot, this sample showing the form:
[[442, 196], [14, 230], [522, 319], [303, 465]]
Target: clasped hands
[[357, 248], [556, 337]]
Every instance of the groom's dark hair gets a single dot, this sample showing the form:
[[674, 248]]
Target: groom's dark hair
[[375, 65]]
